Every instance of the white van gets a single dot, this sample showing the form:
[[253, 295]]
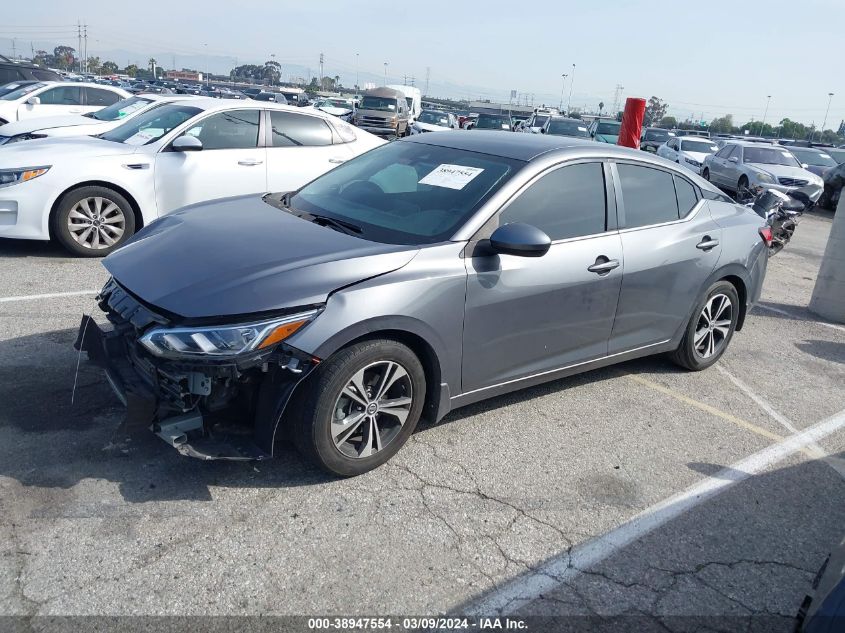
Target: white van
[[414, 98]]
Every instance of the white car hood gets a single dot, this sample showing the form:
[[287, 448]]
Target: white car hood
[[696, 156], [42, 123], [335, 111], [431, 127], [49, 151]]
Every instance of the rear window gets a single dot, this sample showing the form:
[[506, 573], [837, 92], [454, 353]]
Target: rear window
[[648, 195]]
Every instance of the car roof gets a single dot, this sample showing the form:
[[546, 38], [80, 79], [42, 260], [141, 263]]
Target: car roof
[[693, 137], [523, 147], [211, 103], [556, 117]]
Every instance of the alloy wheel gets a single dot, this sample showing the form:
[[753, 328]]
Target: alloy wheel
[[714, 326], [371, 409], [96, 223]]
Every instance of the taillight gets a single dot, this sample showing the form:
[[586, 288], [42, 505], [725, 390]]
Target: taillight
[[766, 234]]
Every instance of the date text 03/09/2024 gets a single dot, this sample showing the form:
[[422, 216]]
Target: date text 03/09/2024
[[417, 623]]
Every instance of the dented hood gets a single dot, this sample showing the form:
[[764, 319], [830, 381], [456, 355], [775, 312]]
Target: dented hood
[[241, 255]]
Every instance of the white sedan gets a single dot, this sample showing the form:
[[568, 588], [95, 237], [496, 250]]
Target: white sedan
[[92, 193], [687, 151], [341, 108], [51, 98], [83, 124]]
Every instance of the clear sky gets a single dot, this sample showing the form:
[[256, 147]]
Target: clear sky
[[714, 57]]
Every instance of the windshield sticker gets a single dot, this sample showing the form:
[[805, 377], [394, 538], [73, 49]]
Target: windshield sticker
[[142, 137], [132, 107], [451, 176], [824, 155], [582, 129]]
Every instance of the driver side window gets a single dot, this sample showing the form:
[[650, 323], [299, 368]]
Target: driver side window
[[565, 203], [61, 95], [236, 129]]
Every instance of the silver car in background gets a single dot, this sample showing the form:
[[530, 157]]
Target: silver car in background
[[422, 276], [748, 167]]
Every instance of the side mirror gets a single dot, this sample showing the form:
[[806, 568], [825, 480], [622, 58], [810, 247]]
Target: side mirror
[[733, 159], [33, 101], [804, 165], [187, 144], [522, 240]]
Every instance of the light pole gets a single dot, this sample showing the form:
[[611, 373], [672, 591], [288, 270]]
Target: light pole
[[562, 86], [826, 112], [206, 65], [356, 73], [571, 81], [765, 112], [385, 73]]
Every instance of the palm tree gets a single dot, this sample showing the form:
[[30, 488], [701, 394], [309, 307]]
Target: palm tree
[[152, 64], [601, 107]]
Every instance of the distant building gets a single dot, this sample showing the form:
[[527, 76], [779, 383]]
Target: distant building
[[488, 107]]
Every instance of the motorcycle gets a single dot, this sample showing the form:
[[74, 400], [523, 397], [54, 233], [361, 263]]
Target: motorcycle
[[782, 212]]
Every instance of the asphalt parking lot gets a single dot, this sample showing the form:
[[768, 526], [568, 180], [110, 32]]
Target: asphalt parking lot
[[640, 491]]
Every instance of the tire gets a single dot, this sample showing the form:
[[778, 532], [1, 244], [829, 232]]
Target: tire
[[693, 352], [352, 447], [101, 214], [706, 175], [742, 185]]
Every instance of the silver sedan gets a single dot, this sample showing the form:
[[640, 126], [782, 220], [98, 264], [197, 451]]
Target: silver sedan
[[422, 276]]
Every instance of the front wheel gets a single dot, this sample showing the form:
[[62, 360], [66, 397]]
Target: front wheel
[[710, 329], [706, 174], [93, 221], [360, 407]]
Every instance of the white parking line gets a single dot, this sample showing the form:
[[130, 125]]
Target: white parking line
[[817, 451], [527, 588], [51, 295], [798, 317]]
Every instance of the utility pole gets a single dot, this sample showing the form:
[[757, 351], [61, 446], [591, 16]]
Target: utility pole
[[322, 59], [616, 97], [562, 86], [14, 54], [85, 46], [385, 73], [571, 82], [357, 82], [79, 42], [427, 77], [765, 112], [826, 112]]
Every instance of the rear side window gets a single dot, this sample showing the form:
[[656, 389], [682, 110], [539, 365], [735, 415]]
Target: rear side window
[[45, 75], [100, 97], [237, 129], [62, 95], [297, 130], [565, 203], [9, 74], [648, 195], [686, 194]]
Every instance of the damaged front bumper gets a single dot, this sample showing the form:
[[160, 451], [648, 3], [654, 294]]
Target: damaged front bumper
[[215, 409]]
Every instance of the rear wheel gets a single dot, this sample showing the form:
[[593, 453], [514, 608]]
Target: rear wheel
[[710, 329], [93, 221], [360, 407], [706, 174]]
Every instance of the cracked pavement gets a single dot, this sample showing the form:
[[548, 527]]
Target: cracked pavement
[[94, 524]]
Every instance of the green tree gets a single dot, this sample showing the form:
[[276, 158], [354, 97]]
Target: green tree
[[655, 110], [93, 65], [601, 107], [44, 58], [722, 125], [668, 122], [109, 68], [64, 57], [131, 70], [272, 72]]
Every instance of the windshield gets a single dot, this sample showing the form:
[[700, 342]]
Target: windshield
[[661, 136], [567, 128], [151, 125], [837, 155], [20, 92], [121, 109], [406, 193], [435, 118], [493, 122], [7, 88], [769, 156], [410, 101], [378, 103], [700, 147], [814, 157], [608, 127], [539, 121]]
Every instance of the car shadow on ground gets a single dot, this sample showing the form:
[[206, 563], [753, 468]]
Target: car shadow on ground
[[58, 428], [32, 248], [826, 350]]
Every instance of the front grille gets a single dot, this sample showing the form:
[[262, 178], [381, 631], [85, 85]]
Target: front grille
[[792, 182], [374, 120]]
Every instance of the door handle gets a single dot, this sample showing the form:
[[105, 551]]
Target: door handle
[[706, 244], [337, 161], [603, 265], [250, 162]]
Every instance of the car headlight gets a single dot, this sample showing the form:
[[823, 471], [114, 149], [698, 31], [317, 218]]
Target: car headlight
[[9, 177], [762, 176], [223, 341]]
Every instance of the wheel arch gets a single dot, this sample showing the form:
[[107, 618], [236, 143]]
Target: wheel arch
[[739, 279], [136, 209]]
